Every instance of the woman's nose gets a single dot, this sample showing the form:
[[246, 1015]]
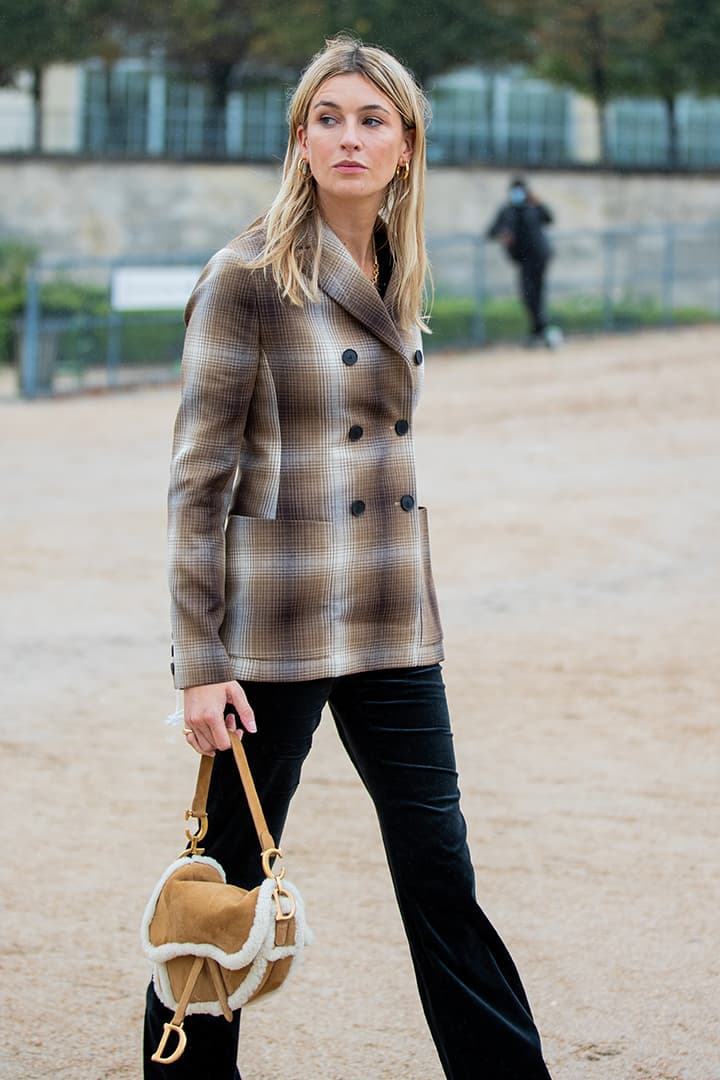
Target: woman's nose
[[350, 135]]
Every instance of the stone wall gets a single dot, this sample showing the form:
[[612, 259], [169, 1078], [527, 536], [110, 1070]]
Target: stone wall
[[72, 208]]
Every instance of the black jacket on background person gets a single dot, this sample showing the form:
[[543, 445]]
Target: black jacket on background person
[[521, 231]]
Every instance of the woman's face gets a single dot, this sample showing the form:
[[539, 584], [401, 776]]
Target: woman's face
[[353, 139]]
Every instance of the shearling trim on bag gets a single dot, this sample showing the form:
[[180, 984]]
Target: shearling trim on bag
[[257, 950]]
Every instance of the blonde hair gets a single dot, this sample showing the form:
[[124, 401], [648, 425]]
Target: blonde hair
[[293, 226]]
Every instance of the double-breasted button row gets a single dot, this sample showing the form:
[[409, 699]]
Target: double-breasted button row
[[350, 357], [357, 508], [357, 431]]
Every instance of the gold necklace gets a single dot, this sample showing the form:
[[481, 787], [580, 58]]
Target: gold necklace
[[375, 277]]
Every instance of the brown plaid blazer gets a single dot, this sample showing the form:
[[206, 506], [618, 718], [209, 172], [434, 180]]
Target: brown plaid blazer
[[297, 548]]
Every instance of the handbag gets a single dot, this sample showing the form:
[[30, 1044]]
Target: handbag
[[214, 946]]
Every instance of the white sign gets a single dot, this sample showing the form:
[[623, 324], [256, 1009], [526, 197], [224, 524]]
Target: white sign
[[152, 288]]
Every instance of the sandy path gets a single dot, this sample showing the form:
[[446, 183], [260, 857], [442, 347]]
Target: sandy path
[[575, 513]]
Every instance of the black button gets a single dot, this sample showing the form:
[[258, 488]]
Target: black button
[[407, 502], [355, 433], [357, 508], [402, 427], [172, 669], [349, 357], [418, 358]]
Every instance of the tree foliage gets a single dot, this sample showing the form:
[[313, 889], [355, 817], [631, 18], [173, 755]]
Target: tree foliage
[[431, 37]]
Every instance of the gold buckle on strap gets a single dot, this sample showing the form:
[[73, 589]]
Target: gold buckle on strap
[[267, 855], [195, 838]]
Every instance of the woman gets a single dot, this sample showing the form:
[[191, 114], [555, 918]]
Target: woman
[[300, 568]]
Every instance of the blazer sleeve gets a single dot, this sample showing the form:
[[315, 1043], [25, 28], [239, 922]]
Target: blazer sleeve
[[219, 368]]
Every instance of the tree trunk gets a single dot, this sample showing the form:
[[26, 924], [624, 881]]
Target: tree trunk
[[601, 107], [214, 134], [673, 153], [490, 153], [37, 100], [599, 80]]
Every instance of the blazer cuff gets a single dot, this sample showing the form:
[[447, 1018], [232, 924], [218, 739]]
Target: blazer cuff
[[201, 669]]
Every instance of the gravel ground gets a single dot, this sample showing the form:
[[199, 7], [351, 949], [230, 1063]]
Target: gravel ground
[[575, 516]]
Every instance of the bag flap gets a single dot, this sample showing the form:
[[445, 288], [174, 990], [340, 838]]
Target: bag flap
[[194, 911]]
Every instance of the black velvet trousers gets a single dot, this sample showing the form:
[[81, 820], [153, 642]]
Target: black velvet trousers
[[395, 727]]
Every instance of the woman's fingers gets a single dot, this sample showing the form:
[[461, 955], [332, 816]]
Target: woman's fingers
[[211, 712], [242, 708], [198, 743]]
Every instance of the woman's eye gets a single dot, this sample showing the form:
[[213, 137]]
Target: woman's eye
[[373, 121], [328, 121]]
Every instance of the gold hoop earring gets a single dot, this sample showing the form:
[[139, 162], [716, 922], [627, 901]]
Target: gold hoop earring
[[403, 172], [303, 168]]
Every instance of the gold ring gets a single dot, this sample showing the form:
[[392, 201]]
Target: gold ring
[[188, 731]]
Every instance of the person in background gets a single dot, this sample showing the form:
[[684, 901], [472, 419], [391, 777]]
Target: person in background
[[299, 555], [520, 227]]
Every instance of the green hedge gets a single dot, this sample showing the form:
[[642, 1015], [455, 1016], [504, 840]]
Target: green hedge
[[130, 339], [456, 321], [15, 258]]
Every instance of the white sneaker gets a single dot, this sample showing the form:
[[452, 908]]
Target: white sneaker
[[554, 337]]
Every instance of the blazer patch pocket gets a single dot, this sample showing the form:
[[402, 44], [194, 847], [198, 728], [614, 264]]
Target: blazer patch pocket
[[278, 588], [431, 626]]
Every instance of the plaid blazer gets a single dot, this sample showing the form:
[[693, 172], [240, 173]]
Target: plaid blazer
[[297, 548]]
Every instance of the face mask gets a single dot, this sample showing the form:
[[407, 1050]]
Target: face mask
[[517, 195]]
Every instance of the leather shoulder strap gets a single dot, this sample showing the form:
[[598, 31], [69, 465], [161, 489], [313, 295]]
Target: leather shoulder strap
[[199, 803]]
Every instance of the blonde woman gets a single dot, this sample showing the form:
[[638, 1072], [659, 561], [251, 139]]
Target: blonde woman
[[299, 557]]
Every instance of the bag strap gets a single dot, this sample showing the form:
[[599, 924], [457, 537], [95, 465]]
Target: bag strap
[[176, 1025], [199, 804]]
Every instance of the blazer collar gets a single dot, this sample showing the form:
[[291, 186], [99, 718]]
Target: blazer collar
[[343, 280]]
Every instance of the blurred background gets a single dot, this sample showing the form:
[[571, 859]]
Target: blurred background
[[137, 137]]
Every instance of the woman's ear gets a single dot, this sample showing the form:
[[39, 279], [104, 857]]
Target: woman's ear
[[408, 145], [301, 136]]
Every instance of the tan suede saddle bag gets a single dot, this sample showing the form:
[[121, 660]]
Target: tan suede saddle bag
[[214, 946]]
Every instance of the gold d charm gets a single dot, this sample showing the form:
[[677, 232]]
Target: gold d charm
[[177, 1052]]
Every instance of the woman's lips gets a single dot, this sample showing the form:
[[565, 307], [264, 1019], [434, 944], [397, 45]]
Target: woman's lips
[[349, 167]]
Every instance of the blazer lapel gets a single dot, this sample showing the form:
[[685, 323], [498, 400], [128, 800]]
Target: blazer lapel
[[343, 280]]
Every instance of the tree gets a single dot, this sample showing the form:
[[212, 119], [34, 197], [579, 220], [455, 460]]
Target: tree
[[680, 57], [33, 34], [210, 37], [37, 33], [595, 46]]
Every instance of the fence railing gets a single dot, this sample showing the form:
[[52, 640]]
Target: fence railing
[[102, 324]]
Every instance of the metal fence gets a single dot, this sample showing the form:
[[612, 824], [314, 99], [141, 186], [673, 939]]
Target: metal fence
[[100, 324], [615, 279]]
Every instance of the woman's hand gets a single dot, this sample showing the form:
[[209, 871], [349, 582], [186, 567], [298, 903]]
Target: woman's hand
[[206, 721]]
